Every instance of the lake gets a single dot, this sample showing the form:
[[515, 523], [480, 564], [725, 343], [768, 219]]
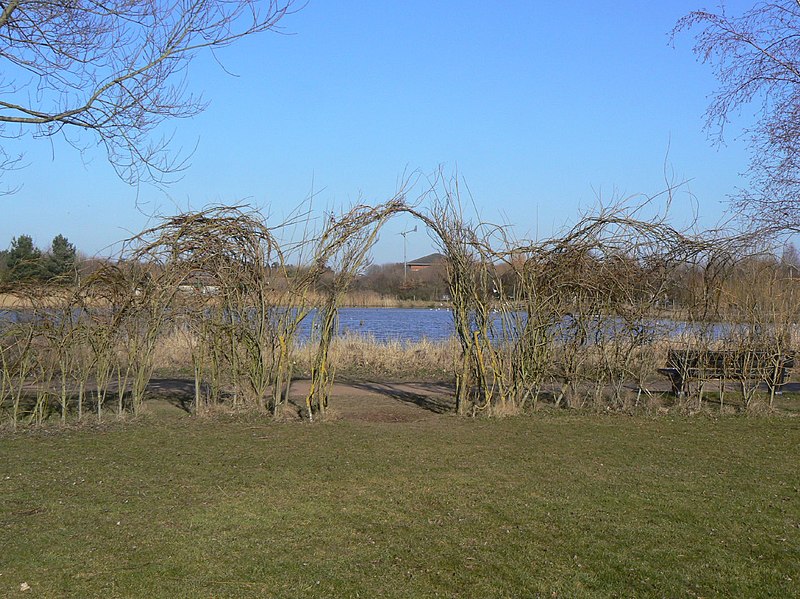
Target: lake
[[435, 324], [386, 324]]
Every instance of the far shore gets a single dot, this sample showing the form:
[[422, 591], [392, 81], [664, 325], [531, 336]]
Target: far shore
[[353, 300]]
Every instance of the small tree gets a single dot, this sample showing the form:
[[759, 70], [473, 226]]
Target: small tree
[[60, 261], [24, 260]]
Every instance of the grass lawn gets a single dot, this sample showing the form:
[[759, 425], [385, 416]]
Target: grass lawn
[[549, 505]]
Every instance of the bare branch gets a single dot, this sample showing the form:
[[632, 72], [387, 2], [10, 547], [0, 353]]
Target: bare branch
[[756, 58], [116, 68]]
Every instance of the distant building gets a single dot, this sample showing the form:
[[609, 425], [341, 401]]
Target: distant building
[[426, 262]]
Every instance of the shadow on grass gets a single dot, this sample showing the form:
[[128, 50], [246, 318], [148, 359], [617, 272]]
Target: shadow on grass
[[175, 391], [434, 397]]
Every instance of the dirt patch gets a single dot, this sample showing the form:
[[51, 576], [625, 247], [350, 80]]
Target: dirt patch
[[383, 402], [361, 401]]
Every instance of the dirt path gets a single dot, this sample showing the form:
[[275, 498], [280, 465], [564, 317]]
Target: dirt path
[[383, 402], [364, 401]]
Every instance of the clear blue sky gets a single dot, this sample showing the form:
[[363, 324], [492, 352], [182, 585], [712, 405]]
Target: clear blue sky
[[541, 108]]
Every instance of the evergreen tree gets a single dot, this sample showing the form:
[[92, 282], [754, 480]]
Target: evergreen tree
[[3, 264], [61, 260], [24, 260]]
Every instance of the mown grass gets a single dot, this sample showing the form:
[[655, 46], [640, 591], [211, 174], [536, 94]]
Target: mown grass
[[551, 506]]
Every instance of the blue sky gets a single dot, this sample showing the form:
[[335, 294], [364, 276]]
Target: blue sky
[[541, 108]]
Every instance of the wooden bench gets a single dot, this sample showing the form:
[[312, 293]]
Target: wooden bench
[[685, 365]]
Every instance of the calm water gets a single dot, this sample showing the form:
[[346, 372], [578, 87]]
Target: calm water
[[384, 324], [436, 324], [415, 324]]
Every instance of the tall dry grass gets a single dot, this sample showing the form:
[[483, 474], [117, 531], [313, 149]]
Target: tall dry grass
[[354, 355], [351, 355]]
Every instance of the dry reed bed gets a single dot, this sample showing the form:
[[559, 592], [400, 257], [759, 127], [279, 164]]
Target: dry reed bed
[[351, 354]]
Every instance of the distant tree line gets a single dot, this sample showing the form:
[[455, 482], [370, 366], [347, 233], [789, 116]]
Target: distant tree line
[[24, 262], [430, 284], [390, 280]]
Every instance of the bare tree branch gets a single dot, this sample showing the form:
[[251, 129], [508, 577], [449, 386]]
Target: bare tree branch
[[756, 58], [116, 68]]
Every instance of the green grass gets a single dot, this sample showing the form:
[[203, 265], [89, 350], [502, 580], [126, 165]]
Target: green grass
[[565, 506]]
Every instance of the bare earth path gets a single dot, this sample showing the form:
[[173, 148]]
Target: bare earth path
[[362, 401], [370, 401]]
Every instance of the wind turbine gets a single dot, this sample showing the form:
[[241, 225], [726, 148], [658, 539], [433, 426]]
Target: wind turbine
[[405, 253]]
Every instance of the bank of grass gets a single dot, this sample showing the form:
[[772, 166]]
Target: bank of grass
[[555, 506]]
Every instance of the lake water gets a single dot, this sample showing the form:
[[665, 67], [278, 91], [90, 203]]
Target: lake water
[[436, 324], [403, 324], [415, 324], [383, 324]]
